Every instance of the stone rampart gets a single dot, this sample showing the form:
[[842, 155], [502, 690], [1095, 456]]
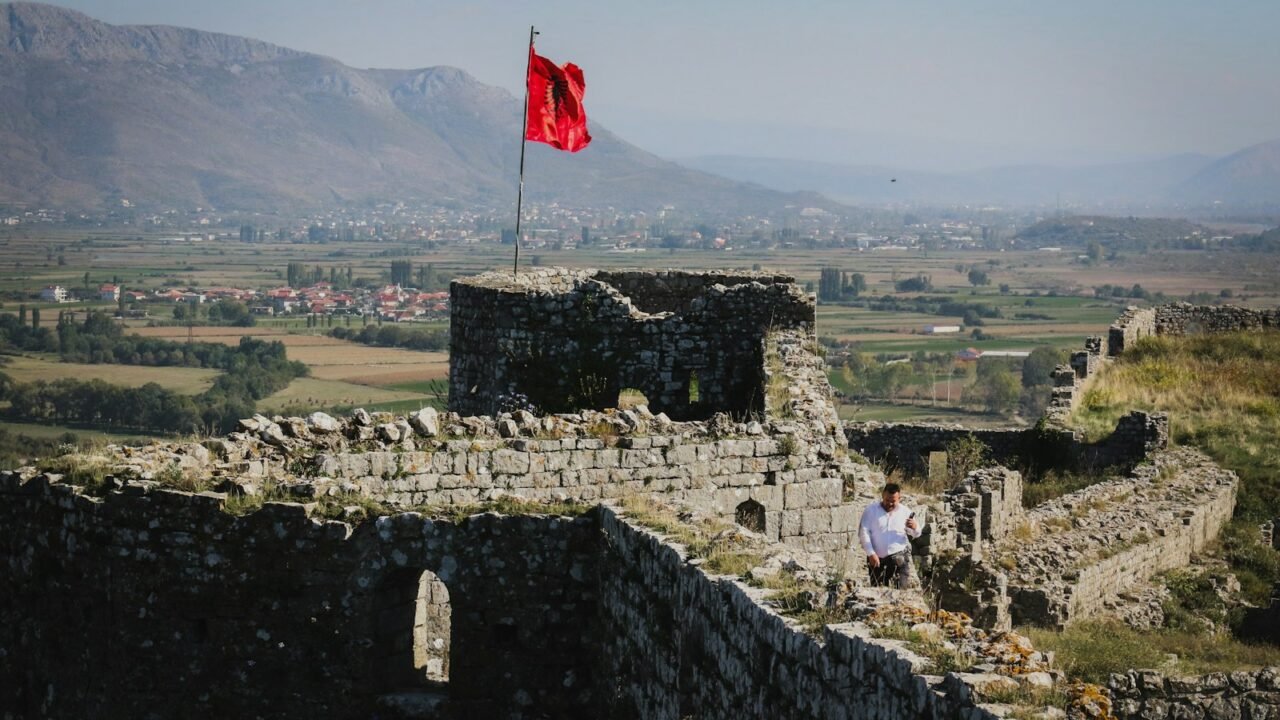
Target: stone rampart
[[693, 343], [908, 445], [707, 647], [1185, 319], [151, 603], [1188, 319], [785, 467], [1083, 548], [1243, 695]]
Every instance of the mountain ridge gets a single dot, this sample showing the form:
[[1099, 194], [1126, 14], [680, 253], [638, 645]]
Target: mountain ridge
[[174, 117]]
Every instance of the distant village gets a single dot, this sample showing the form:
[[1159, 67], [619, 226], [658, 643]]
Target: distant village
[[388, 303]]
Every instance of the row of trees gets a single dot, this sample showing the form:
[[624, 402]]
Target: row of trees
[[413, 338], [254, 370], [835, 285]]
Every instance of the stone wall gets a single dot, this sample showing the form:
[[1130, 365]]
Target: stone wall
[[1085, 547], [908, 445], [1185, 319], [791, 461], [1188, 319], [692, 343], [157, 604], [151, 603], [1150, 695], [703, 646], [1132, 325]]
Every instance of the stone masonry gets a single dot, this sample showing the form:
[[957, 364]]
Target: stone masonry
[[907, 445], [153, 603], [692, 343], [1079, 550]]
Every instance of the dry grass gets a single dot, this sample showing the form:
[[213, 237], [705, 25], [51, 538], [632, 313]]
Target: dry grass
[[1091, 651], [313, 392], [188, 381]]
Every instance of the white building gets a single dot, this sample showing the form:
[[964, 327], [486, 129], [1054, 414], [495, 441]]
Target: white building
[[54, 293], [941, 329], [109, 293]]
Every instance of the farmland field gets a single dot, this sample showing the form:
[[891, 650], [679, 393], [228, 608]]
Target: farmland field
[[1048, 299], [189, 381], [316, 394]]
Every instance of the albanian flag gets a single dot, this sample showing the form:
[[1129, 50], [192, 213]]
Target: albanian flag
[[556, 116]]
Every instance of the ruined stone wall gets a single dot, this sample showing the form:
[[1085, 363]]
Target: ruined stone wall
[[1188, 319], [156, 604], [907, 445], [692, 343], [1132, 325], [986, 504], [1185, 319], [1243, 695], [150, 603], [1087, 546], [702, 646]]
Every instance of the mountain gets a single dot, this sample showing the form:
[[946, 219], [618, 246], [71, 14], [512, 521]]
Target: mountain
[[1135, 182], [93, 114], [1249, 177]]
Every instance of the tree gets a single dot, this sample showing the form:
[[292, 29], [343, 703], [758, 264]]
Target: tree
[[919, 283], [829, 284], [35, 318], [401, 272], [1037, 366], [1094, 251], [978, 277]]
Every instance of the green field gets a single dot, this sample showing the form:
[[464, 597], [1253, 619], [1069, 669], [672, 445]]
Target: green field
[[1051, 291]]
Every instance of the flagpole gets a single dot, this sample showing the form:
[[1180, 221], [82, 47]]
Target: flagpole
[[524, 132]]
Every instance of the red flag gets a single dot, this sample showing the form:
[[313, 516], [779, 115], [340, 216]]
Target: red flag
[[556, 116]]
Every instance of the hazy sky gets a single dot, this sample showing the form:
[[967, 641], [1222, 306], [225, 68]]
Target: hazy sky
[[936, 84]]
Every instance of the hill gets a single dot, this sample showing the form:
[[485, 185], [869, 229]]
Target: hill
[[173, 117], [1250, 176], [1121, 233]]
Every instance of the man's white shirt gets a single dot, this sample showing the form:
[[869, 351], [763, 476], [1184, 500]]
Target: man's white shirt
[[885, 533]]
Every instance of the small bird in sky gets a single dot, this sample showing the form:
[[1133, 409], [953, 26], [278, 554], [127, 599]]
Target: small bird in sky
[[893, 179]]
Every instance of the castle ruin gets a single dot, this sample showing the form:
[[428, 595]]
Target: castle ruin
[[367, 566]]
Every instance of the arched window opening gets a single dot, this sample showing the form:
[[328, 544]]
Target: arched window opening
[[750, 515]]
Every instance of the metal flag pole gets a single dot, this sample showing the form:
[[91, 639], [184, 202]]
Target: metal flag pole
[[524, 132]]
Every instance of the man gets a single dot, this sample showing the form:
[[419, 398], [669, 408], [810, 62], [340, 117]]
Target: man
[[884, 531]]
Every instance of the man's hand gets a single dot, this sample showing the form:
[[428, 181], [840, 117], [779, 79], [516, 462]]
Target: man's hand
[[911, 523], [873, 560]]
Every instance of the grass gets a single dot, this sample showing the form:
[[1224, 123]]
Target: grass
[[1054, 484], [720, 553], [778, 390], [1091, 651], [1222, 393]]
